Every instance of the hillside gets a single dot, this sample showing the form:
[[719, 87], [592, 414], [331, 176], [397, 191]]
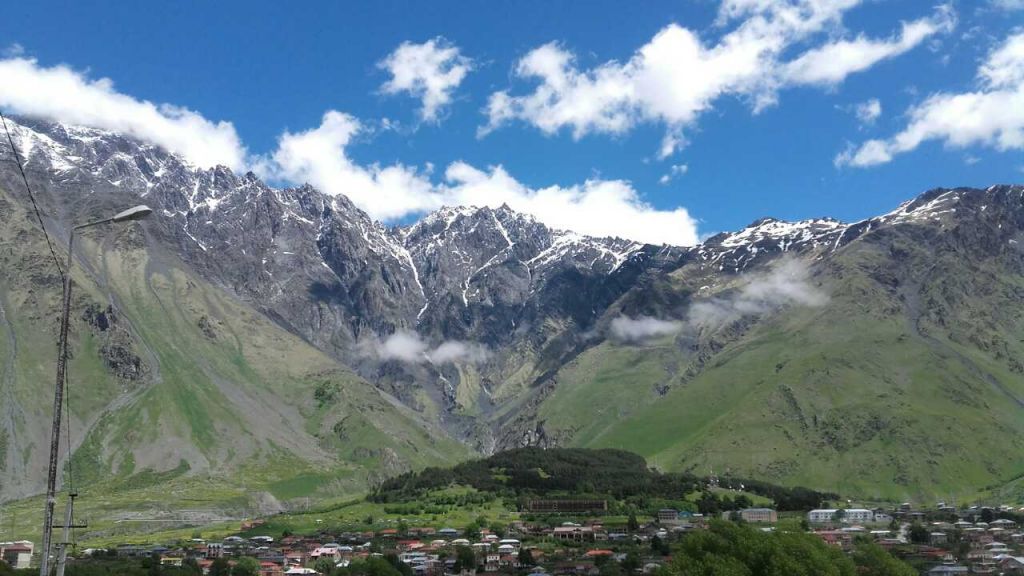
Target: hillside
[[903, 381], [574, 473], [172, 376], [279, 343]]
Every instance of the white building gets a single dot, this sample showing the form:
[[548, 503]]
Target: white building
[[18, 555], [849, 516]]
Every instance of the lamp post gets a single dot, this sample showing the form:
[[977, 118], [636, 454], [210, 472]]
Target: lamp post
[[136, 213]]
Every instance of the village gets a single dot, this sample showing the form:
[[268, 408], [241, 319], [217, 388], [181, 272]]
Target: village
[[937, 540]]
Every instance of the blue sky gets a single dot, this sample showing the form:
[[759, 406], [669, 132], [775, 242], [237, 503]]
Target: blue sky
[[270, 68]]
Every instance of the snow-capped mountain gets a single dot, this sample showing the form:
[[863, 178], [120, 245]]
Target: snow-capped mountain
[[326, 271], [298, 252], [480, 322]]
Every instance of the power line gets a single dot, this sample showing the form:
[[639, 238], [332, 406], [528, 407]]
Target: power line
[[32, 197], [67, 411], [70, 460], [65, 281]]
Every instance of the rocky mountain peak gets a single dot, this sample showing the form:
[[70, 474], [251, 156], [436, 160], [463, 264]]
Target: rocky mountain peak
[[498, 313]]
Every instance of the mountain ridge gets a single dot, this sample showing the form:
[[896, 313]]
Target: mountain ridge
[[550, 338]]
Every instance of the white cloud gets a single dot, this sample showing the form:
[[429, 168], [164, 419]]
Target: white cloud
[[677, 76], [992, 115], [786, 284], [318, 156], [595, 207], [430, 71], [1008, 5], [868, 111], [641, 328], [1004, 68], [60, 93], [673, 171], [456, 351], [410, 348], [831, 63], [13, 51], [404, 346]]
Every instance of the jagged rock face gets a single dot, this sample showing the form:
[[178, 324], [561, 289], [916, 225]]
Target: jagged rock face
[[320, 267], [766, 238], [535, 300], [486, 271]]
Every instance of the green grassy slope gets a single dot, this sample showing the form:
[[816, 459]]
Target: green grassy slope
[[904, 385], [182, 397]]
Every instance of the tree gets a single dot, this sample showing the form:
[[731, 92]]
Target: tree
[[728, 549], [220, 567], [805, 524], [838, 515], [872, 559], [712, 566], [919, 534], [743, 501], [962, 549], [708, 503], [398, 565], [152, 565], [631, 523], [374, 566], [632, 562], [610, 568], [324, 566], [246, 566], [465, 559], [660, 547], [192, 565], [498, 529], [525, 557], [987, 515]]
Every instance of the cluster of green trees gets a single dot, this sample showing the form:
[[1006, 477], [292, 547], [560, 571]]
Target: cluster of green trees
[[711, 503], [786, 499], [439, 503], [609, 567], [388, 565], [244, 566], [535, 471], [990, 514], [529, 472], [725, 549], [149, 566], [729, 549]]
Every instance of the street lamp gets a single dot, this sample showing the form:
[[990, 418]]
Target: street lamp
[[136, 213]]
